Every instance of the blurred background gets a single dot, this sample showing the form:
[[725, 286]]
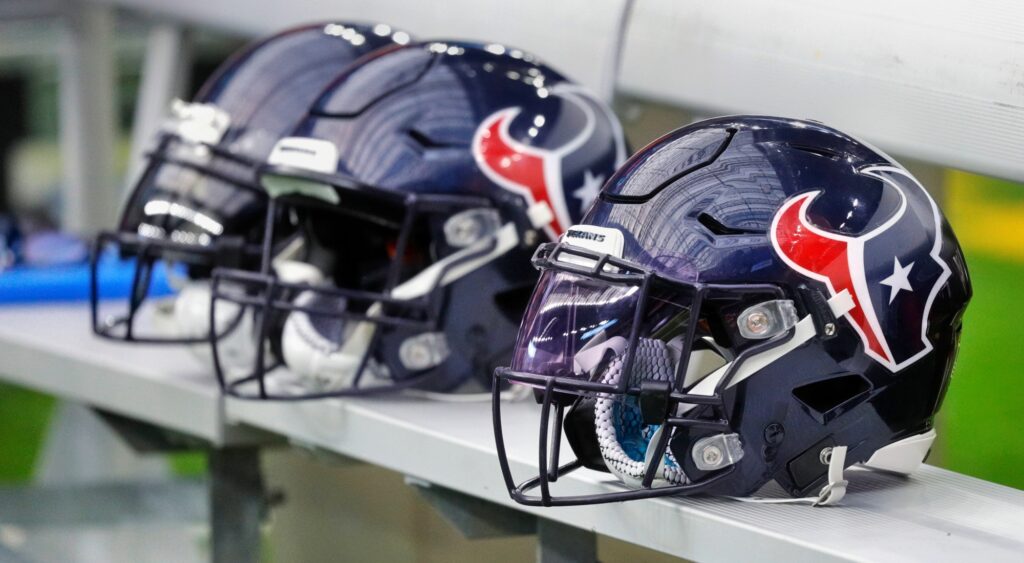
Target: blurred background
[[978, 432]]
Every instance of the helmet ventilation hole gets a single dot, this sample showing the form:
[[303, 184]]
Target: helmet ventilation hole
[[716, 227], [827, 398], [817, 151]]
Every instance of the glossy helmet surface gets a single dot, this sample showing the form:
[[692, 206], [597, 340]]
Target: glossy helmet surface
[[196, 204], [420, 182], [747, 294]]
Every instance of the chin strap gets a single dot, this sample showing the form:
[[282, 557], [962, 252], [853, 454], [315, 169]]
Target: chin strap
[[333, 366], [829, 495], [835, 490], [803, 331]]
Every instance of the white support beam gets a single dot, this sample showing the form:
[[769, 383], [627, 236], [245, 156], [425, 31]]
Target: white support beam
[[576, 37], [27, 9], [87, 116], [50, 348], [942, 82]]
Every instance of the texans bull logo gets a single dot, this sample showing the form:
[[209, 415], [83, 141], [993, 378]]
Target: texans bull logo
[[539, 174], [892, 272]]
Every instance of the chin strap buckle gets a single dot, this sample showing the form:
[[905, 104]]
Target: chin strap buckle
[[835, 489], [830, 494]]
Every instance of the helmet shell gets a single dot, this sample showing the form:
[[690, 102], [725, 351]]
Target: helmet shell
[[797, 204]]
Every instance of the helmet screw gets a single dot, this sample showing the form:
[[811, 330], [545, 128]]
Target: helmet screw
[[423, 351], [830, 329], [757, 322], [774, 433], [466, 231], [416, 354], [711, 455], [825, 457]]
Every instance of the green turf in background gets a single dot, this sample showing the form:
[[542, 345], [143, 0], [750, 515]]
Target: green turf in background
[[188, 464], [24, 418], [979, 430]]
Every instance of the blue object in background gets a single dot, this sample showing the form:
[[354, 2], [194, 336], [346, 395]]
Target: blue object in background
[[53, 248], [10, 242], [37, 284]]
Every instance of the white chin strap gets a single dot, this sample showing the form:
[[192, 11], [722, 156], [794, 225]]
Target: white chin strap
[[236, 347], [190, 318], [833, 492], [319, 362], [829, 495], [804, 330], [902, 456], [330, 365]]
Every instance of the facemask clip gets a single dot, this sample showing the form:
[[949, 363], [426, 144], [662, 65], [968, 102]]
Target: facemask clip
[[718, 451], [768, 319], [424, 351], [821, 312], [467, 227]]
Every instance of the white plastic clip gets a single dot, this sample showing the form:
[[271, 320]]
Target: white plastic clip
[[304, 153], [835, 489], [198, 123], [829, 495], [540, 214], [841, 303], [307, 153]]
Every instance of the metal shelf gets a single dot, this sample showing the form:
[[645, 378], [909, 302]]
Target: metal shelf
[[50, 349], [935, 515]]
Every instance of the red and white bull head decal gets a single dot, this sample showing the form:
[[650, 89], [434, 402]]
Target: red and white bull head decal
[[892, 272], [537, 173]]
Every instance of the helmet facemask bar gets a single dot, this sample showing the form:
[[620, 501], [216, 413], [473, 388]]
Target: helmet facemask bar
[[671, 406], [174, 255], [268, 297], [410, 301]]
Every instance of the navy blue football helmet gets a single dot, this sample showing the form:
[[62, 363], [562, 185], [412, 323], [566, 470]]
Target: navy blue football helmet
[[421, 182], [197, 204], [749, 297]]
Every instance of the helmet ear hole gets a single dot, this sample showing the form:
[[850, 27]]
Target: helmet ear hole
[[826, 399]]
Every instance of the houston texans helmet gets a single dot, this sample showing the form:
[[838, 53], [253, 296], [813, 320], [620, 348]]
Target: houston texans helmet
[[196, 204], [421, 182], [751, 299]]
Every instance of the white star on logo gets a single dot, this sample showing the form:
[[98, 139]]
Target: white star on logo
[[587, 193], [899, 279]]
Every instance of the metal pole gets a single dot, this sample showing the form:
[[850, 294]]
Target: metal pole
[[164, 76], [611, 74], [561, 543], [87, 116], [237, 504]]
